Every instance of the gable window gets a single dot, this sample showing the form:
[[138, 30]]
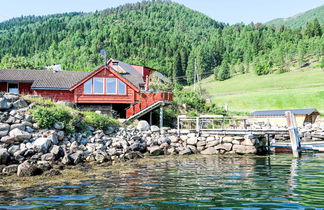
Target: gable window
[[13, 88], [111, 85], [88, 87], [98, 85], [121, 88]]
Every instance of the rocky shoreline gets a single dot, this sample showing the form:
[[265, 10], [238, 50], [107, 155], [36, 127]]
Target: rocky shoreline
[[26, 150]]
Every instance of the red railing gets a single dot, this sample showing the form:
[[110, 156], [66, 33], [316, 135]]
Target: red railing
[[148, 99]]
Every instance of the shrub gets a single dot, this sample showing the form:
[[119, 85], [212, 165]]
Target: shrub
[[45, 117], [99, 121]]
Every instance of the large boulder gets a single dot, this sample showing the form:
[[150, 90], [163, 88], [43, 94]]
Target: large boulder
[[192, 141], [242, 149], [4, 156], [9, 170], [209, 151], [42, 144], [21, 103], [155, 150], [226, 146], [4, 104], [143, 125], [28, 169], [4, 129], [19, 134]]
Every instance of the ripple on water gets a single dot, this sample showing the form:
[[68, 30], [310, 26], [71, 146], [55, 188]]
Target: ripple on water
[[275, 182]]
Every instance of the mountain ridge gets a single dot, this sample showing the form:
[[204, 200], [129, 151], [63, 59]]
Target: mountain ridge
[[300, 19]]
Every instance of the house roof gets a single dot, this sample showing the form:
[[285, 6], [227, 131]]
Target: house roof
[[130, 73], [43, 79], [282, 112]]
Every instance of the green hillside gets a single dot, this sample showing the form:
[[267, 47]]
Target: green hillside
[[303, 88], [161, 34], [300, 20]]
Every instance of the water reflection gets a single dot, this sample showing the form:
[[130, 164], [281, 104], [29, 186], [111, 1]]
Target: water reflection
[[210, 182]]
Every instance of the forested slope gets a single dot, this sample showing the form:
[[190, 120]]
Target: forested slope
[[160, 34]]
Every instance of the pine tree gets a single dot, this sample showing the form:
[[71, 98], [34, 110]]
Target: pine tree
[[224, 72]]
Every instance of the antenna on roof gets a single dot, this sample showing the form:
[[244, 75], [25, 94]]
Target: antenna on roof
[[103, 54]]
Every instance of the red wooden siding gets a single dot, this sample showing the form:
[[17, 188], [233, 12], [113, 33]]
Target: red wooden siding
[[25, 88], [128, 98], [56, 95], [3, 87]]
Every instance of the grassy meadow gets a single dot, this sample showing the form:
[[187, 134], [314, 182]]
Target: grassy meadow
[[248, 92]]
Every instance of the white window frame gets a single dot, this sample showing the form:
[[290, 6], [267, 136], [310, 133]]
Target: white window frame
[[91, 91], [116, 86], [125, 93], [17, 83], [93, 85]]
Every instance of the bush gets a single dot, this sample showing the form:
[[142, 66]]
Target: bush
[[45, 117], [99, 121]]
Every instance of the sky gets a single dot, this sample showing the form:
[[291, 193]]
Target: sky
[[228, 11]]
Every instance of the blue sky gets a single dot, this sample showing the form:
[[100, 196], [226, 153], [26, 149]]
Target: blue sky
[[229, 11]]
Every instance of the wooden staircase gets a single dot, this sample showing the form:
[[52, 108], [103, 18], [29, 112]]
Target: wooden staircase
[[148, 102]]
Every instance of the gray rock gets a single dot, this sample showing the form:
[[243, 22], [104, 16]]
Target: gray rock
[[67, 160], [74, 146], [76, 157], [21, 103], [60, 135], [227, 139], [209, 151], [4, 129], [42, 144], [9, 170], [143, 125], [48, 157], [19, 134], [101, 157], [224, 146], [8, 139], [212, 143], [242, 149], [19, 126], [13, 149], [11, 97], [4, 156], [186, 151], [53, 138], [163, 140], [155, 150], [4, 104], [66, 103], [192, 140], [59, 125], [155, 128], [28, 169], [109, 130], [201, 143]]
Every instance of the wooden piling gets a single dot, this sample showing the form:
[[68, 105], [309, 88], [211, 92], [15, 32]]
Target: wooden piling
[[293, 133]]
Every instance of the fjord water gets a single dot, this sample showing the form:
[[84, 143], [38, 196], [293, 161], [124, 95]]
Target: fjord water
[[199, 182]]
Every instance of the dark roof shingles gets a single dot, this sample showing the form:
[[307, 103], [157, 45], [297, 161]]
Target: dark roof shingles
[[131, 74], [44, 78]]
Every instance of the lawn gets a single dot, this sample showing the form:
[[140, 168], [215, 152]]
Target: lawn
[[292, 90]]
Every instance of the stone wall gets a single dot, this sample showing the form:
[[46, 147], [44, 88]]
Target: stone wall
[[27, 150]]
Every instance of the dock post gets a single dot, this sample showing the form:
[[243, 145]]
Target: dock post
[[161, 117], [197, 125], [293, 133]]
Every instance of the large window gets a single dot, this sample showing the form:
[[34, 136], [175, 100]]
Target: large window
[[13, 88], [98, 85], [88, 87], [121, 88], [111, 86]]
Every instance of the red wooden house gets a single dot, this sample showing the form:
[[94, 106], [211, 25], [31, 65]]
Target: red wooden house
[[118, 85]]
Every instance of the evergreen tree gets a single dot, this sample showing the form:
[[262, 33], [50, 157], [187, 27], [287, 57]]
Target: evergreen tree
[[224, 72]]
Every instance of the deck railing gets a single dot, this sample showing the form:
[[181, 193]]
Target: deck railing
[[147, 99]]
